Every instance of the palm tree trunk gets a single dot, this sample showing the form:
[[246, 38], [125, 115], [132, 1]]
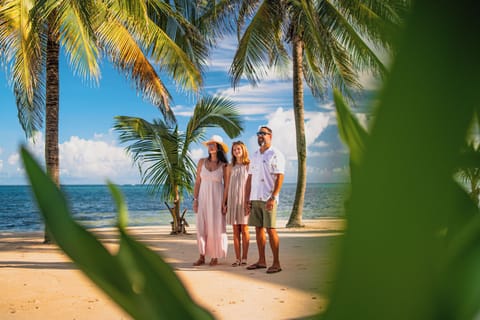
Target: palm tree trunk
[[177, 225], [52, 111], [298, 110]]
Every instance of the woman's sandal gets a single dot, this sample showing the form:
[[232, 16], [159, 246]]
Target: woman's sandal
[[237, 263], [243, 262], [213, 262], [199, 262]]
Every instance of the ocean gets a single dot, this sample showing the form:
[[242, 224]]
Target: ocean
[[93, 207]]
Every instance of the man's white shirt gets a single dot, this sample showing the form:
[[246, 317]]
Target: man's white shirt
[[263, 168]]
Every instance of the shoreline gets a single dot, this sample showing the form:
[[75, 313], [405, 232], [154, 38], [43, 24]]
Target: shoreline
[[281, 224], [42, 282]]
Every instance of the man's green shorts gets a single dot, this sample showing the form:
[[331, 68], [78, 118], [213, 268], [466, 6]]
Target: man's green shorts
[[261, 217]]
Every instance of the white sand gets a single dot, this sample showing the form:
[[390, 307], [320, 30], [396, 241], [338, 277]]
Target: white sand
[[39, 282]]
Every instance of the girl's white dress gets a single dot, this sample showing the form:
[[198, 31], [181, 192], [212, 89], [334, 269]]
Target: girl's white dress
[[236, 193]]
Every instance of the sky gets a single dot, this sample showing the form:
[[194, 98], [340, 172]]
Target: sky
[[90, 151]]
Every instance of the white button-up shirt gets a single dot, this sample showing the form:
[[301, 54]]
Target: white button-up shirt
[[263, 168]]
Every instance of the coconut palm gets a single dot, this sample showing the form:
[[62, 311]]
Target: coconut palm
[[323, 42], [134, 35], [161, 151]]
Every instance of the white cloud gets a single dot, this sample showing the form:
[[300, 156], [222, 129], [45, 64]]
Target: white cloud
[[86, 160], [282, 123], [81, 158], [13, 159], [197, 154], [262, 99], [320, 144], [222, 57], [1, 165]]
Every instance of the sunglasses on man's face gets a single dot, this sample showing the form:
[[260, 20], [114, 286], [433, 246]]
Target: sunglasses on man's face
[[261, 133]]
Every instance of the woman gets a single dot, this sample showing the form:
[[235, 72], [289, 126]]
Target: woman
[[237, 215], [208, 201]]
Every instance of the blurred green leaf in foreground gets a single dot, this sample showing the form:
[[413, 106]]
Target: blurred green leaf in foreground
[[136, 278], [412, 247]]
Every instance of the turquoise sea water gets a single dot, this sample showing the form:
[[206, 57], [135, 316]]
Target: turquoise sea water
[[92, 205]]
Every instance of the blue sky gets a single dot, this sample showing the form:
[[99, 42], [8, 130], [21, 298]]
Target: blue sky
[[90, 151]]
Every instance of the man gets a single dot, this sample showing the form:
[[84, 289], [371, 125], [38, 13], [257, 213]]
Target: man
[[265, 179]]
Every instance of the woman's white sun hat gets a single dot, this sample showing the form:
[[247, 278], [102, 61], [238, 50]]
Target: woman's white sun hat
[[216, 139]]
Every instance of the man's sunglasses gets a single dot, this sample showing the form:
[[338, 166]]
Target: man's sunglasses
[[261, 133]]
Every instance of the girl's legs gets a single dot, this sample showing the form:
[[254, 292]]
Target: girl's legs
[[245, 242], [236, 243]]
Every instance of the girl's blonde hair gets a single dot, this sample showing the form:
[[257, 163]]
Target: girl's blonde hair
[[245, 159]]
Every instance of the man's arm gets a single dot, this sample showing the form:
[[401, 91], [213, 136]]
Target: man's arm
[[278, 185]]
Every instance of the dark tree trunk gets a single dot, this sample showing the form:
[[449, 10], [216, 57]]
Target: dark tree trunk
[[51, 111], [179, 222], [295, 219]]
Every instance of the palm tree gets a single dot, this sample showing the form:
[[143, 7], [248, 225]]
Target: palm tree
[[161, 151], [327, 43], [129, 34]]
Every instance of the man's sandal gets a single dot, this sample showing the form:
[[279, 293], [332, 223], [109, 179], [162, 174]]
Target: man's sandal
[[274, 269], [255, 266]]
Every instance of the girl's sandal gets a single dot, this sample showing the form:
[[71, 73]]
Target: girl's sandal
[[237, 263], [243, 262]]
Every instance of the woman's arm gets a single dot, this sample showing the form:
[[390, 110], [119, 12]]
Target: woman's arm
[[227, 170], [196, 188]]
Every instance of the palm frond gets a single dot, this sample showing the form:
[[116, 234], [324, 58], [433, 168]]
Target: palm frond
[[22, 45], [253, 56], [216, 19], [380, 20], [75, 21], [211, 112], [127, 56], [148, 143], [352, 36], [246, 10], [175, 44], [161, 151]]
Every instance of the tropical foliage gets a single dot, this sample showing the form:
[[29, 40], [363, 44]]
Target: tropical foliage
[[411, 250], [139, 38], [324, 43], [162, 151]]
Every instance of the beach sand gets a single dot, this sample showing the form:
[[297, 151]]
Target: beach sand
[[38, 281]]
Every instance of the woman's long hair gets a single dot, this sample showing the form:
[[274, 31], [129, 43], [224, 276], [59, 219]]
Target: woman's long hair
[[222, 157]]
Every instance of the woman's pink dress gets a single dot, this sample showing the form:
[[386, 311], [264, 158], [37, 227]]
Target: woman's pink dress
[[211, 227]]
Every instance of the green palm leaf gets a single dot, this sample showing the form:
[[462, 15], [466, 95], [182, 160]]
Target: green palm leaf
[[350, 130], [22, 48], [161, 151]]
